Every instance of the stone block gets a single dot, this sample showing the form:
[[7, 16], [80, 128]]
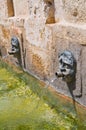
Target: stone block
[[3, 9], [59, 12], [46, 9], [6, 9], [37, 61], [70, 32], [38, 34], [74, 10], [20, 7], [6, 33]]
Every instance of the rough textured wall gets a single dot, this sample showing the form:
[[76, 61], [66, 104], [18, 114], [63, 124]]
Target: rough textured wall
[[70, 10], [20, 7], [3, 9], [75, 10], [44, 29]]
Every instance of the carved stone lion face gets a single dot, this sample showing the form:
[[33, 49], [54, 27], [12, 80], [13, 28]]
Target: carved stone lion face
[[14, 45], [14, 42], [67, 66]]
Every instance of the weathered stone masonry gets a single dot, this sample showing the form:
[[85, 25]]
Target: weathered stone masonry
[[44, 29]]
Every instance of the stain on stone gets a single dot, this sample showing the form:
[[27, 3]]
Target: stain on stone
[[75, 12], [6, 32], [38, 65]]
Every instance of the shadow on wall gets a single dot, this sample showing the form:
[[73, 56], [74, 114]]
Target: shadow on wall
[[10, 8], [49, 10]]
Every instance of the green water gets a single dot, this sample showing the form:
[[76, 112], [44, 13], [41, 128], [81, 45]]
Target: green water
[[24, 105]]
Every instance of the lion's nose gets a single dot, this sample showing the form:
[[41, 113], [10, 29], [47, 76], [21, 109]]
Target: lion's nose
[[59, 74]]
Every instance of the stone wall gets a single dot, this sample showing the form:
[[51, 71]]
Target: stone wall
[[3, 9], [21, 7], [44, 29]]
